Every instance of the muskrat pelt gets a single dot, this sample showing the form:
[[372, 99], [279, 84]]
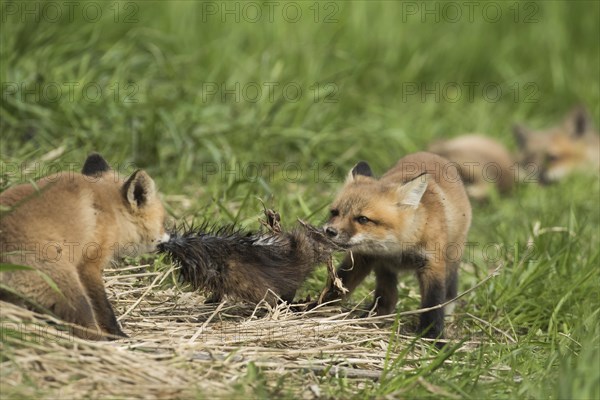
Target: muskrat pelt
[[247, 266]]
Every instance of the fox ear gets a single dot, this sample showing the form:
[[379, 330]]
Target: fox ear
[[578, 121], [411, 192], [139, 189], [95, 165], [521, 135], [362, 168]]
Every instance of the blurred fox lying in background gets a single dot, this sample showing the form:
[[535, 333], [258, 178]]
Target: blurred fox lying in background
[[68, 227], [545, 156], [571, 147]]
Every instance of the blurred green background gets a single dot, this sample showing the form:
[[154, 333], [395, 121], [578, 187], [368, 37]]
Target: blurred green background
[[170, 86], [224, 102]]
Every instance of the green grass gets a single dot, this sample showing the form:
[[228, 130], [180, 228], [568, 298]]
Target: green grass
[[154, 112]]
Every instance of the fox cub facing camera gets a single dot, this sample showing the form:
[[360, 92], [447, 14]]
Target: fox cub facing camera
[[416, 216], [69, 226]]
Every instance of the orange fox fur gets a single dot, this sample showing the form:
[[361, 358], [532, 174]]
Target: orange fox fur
[[416, 216], [69, 227]]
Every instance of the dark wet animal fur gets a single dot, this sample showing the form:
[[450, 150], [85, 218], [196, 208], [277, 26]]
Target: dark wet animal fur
[[246, 265]]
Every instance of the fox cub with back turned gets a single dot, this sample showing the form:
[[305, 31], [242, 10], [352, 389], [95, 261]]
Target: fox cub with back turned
[[484, 163], [416, 216], [69, 226]]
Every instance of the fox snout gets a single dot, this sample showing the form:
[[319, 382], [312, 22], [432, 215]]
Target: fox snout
[[330, 231], [544, 179], [336, 235], [166, 236]]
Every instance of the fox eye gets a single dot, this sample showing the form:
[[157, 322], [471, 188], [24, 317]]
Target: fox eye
[[334, 212], [552, 158], [362, 220]]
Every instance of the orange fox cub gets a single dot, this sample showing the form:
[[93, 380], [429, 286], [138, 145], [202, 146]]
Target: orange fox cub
[[573, 146], [68, 227], [483, 162], [416, 216]]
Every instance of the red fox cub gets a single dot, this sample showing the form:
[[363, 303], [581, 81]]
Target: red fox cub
[[416, 216], [573, 146], [483, 162], [69, 226]]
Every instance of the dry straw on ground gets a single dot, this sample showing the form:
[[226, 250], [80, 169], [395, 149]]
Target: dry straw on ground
[[179, 347]]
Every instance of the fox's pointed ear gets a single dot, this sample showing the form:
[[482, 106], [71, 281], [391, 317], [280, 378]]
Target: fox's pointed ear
[[521, 135], [95, 165], [578, 121], [360, 169], [411, 192], [139, 189]]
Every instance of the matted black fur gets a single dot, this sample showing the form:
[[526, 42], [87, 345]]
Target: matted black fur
[[246, 265]]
